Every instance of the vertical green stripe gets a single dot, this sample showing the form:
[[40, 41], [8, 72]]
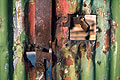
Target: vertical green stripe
[[115, 53], [4, 56]]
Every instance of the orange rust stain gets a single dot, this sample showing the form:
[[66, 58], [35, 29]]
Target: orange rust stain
[[68, 61], [97, 44], [115, 24], [31, 17], [89, 52], [101, 12], [65, 29], [62, 35], [59, 35], [107, 41], [18, 13], [104, 1], [20, 70], [113, 43], [64, 7], [118, 78], [68, 78], [32, 74]]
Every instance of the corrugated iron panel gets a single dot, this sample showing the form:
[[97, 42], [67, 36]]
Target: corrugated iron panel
[[22, 24]]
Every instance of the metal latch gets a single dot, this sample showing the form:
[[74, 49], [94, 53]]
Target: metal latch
[[81, 27]]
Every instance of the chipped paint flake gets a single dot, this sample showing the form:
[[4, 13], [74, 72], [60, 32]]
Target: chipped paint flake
[[6, 66], [66, 71], [18, 20], [68, 61]]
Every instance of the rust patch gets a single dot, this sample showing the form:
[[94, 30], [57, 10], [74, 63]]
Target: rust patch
[[32, 74], [113, 43], [118, 78], [31, 17], [97, 44], [104, 1], [64, 7], [89, 51], [101, 12], [68, 61], [20, 71], [43, 16], [41, 56], [62, 36], [68, 78], [115, 25], [107, 41], [62, 20], [77, 73], [18, 13]]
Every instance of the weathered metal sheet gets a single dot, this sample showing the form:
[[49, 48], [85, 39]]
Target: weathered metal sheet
[[75, 60], [102, 9], [88, 58], [65, 66]]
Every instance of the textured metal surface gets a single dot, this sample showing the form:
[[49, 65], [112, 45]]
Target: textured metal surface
[[43, 20], [75, 60], [43, 23], [31, 20], [19, 41]]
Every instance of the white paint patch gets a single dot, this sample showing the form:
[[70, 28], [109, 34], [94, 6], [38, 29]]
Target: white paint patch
[[6, 66], [66, 70]]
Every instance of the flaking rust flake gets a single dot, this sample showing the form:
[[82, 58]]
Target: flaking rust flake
[[107, 42]]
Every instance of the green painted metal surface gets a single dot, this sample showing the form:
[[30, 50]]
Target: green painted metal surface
[[4, 55], [102, 9], [115, 50]]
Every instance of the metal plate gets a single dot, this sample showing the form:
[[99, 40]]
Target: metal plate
[[43, 22]]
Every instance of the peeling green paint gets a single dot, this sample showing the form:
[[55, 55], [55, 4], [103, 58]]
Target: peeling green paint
[[19, 41]]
